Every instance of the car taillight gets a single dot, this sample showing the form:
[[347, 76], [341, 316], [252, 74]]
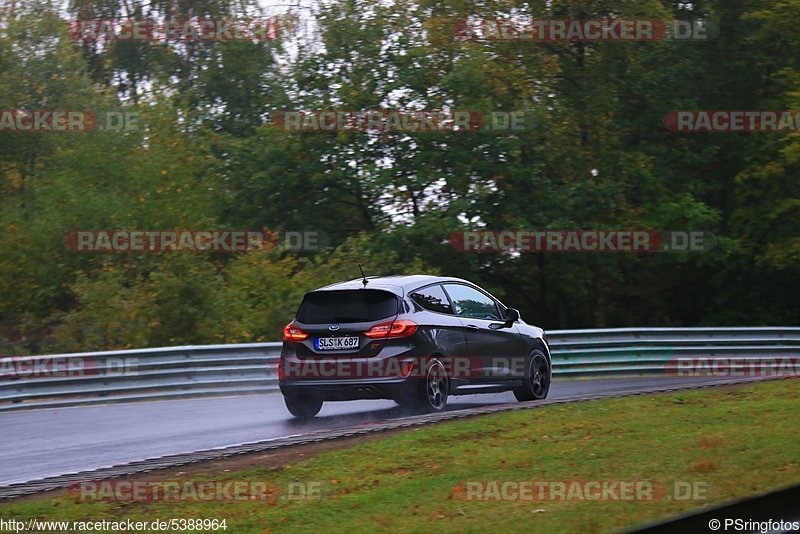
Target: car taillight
[[401, 328], [293, 333]]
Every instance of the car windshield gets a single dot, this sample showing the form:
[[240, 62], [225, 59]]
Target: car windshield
[[358, 306]]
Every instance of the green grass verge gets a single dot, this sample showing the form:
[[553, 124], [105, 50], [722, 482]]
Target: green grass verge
[[739, 441]]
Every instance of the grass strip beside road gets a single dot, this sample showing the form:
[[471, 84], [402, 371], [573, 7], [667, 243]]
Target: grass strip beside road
[[732, 441]]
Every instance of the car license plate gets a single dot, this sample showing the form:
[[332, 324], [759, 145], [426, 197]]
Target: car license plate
[[336, 343]]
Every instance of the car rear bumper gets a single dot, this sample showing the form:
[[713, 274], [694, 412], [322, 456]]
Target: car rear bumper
[[343, 377], [330, 390]]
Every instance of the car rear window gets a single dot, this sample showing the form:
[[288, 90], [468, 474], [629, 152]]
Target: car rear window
[[356, 306]]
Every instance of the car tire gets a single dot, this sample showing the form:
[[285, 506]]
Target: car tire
[[430, 394], [303, 408], [537, 379]]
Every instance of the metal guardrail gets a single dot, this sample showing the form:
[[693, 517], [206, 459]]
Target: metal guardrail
[[209, 370]]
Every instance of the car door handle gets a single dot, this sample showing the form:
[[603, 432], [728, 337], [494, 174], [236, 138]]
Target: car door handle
[[473, 326]]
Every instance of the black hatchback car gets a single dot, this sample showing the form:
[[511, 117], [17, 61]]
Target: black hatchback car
[[414, 339]]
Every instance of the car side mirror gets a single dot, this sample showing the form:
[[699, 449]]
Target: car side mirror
[[512, 316]]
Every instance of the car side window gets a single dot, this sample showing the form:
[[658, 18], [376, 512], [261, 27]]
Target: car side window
[[469, 302], [432, 298]]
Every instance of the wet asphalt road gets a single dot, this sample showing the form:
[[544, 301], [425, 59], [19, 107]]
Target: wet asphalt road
[[47, 442]]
